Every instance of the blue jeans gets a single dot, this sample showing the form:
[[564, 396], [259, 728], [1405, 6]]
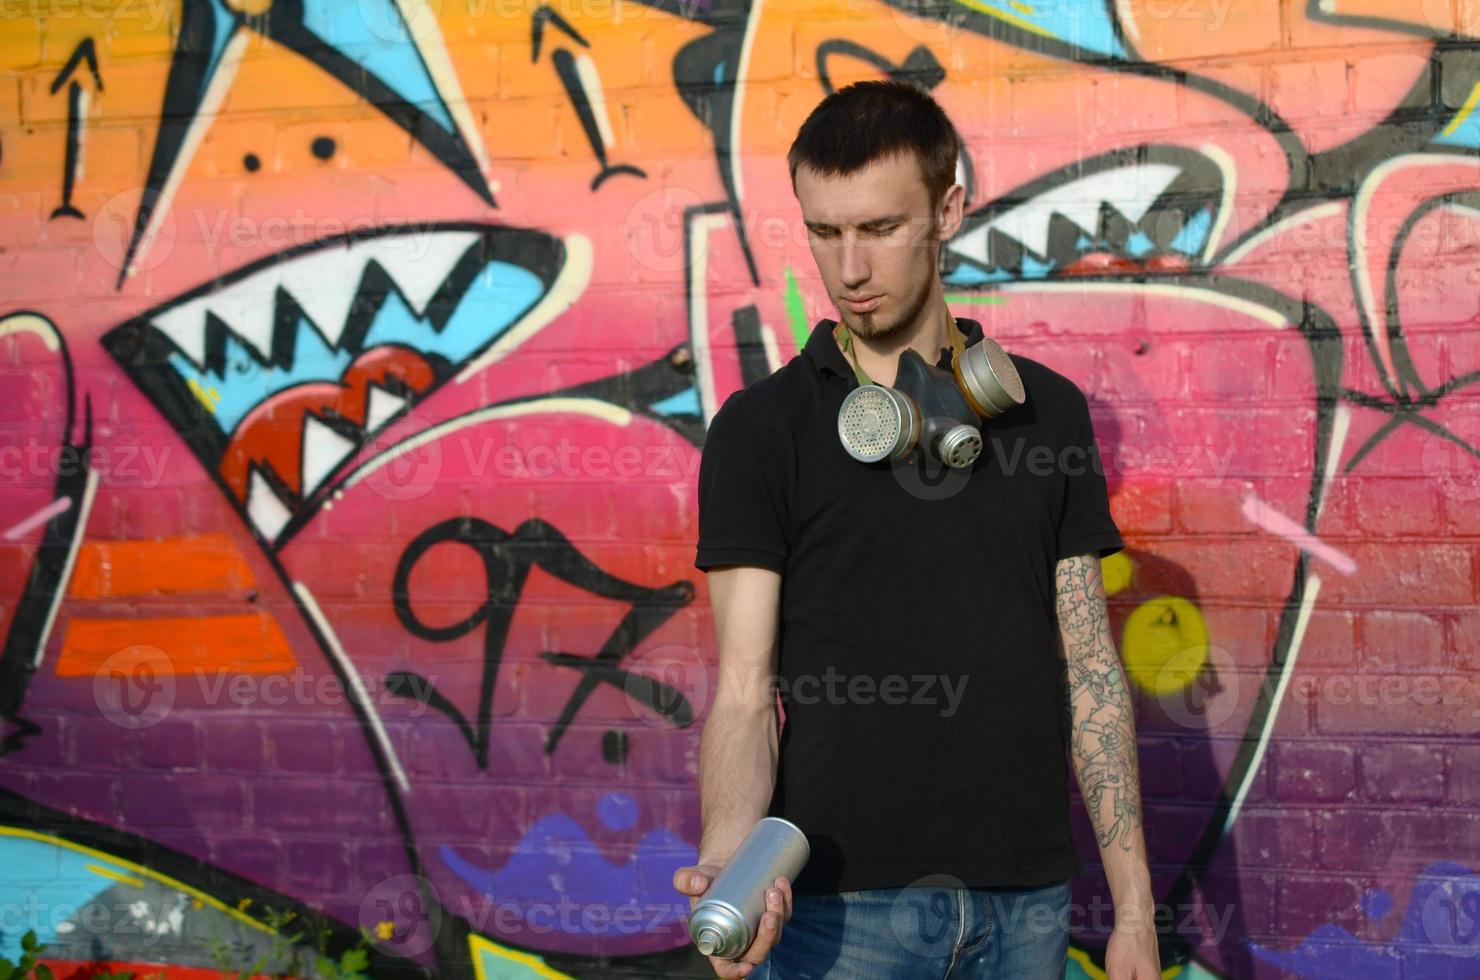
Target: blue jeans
[[924, 931]]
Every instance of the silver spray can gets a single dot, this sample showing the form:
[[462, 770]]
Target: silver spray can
[[725, 921]]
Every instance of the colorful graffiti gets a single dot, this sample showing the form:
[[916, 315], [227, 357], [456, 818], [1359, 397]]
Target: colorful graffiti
[[358, 359]]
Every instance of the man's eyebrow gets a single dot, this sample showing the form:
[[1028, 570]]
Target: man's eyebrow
[[888, 219]]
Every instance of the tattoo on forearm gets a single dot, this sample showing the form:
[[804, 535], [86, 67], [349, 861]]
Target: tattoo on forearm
[[1103, 737]]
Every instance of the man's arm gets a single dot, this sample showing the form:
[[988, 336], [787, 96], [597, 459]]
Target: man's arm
[[738, 747], [1103, 746]]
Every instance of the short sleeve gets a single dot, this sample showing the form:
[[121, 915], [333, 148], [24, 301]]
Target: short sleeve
[[741, 507], [1085, 524]]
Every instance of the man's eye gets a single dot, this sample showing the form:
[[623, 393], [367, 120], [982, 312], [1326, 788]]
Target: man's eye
[[877, 231]]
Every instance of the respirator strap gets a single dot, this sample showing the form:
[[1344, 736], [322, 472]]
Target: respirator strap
[[844, 338], [958, 339]]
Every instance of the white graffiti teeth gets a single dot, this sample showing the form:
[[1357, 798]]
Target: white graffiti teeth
[[1129, 190], [267, 512], [324, 284], [323, 451]]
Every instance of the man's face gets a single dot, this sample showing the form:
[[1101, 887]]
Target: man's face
[[875, 236]]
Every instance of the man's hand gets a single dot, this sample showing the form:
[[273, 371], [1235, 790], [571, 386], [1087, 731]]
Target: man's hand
[[1131, 953], [694, 880]]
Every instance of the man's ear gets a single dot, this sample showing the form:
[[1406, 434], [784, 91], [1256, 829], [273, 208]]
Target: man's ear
[[951, 212]]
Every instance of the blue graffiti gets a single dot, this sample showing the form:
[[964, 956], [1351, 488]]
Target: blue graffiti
[[557, 865], [1438, 938]]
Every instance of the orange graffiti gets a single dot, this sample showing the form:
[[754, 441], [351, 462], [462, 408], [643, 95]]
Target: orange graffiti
[[200, 563], [251, 643]]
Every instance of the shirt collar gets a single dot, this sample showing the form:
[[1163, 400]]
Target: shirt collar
[[822, 350]]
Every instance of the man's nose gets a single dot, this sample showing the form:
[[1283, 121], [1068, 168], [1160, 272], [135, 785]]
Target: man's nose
[[854, 270]]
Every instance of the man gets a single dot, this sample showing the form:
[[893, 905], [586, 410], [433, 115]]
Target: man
[[936, 645]]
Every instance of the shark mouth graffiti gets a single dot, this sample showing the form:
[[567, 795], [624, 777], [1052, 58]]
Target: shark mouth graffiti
[[279, 374], [1142, 208]]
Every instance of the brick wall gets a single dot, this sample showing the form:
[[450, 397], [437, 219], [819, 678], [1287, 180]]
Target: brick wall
[[357, 360]]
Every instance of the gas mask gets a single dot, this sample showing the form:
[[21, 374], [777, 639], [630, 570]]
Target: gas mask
[[931, 407]]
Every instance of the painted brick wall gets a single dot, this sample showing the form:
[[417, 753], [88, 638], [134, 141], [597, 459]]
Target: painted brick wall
[[357, 360]]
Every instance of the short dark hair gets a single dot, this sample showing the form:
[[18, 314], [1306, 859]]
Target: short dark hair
[[872, 120]]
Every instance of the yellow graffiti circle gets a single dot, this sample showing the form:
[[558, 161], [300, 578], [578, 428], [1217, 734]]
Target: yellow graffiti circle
[[1164, 644], [1115, 572]]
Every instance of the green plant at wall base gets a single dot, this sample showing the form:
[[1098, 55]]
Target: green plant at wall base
[[27, 967], [236, 957]]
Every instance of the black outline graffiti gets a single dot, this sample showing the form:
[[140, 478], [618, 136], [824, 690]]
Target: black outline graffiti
[[83, 51], [45, 585], [570, 78], [537, 30], [507, 560], [920, 66], [144, 351], [191, 72]]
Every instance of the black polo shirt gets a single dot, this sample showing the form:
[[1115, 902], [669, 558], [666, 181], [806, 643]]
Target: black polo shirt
[[919, 666]]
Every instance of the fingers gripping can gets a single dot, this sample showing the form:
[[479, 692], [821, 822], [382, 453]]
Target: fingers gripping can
[[725, 921]]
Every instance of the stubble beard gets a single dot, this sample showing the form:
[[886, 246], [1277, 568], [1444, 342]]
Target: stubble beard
[[867, 326]]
